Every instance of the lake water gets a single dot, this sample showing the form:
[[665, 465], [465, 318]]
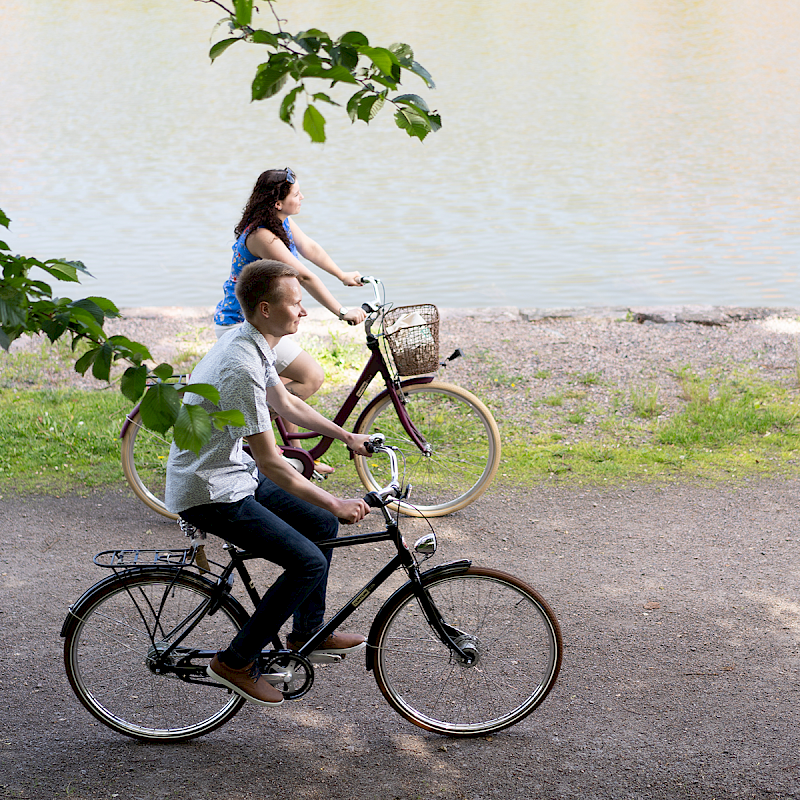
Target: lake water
[[619, 152]]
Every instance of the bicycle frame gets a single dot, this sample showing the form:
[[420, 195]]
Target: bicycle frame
[[375, 366], [193, 672]]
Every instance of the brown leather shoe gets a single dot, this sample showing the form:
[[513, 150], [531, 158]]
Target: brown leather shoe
[[247, 681], [336, 644]]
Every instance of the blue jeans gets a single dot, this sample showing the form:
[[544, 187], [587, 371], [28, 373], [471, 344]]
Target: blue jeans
[[281, 528]]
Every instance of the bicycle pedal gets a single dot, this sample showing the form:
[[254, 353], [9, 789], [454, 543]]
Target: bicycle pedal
[[276, 678], [325, 658]]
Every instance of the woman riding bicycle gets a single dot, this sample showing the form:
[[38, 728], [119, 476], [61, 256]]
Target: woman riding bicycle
[[266, 230]]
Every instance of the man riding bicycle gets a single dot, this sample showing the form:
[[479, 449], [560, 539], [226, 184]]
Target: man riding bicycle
[[261, 504]]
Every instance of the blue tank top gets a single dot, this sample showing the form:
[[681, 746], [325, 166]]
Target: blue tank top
[[228, 311]]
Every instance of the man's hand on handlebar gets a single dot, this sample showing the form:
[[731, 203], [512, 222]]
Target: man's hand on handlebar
[[352, 511], [354, 316]]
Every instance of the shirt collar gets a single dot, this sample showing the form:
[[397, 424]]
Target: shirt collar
[[254, 334]]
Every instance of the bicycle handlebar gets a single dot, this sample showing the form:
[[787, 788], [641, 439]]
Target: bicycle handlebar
[[392, 490]]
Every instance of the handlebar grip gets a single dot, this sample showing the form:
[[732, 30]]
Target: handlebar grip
[[372, 500]]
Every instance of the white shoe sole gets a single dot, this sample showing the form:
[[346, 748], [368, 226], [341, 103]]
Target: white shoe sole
[[234, 688]]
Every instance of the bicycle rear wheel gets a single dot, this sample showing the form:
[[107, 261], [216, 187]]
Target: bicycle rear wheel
[[113, 637], [144, 462], [507, 624], [464, 441]]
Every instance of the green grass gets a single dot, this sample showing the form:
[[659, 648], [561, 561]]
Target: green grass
[[54, 440], [728, 428], [729, 425]]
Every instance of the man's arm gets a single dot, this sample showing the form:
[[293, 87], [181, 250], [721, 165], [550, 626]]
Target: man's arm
[[270, 463], [299, 412]]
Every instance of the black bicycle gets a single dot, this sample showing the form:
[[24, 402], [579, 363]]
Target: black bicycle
[[458, 649]]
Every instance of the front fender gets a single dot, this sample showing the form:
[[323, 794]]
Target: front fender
[[443, 570]]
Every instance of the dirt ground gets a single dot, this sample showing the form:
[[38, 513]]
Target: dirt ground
[[678, 605], [681, 623]]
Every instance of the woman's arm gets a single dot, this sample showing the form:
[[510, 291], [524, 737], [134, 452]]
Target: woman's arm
[[266, 244], [315, 253]]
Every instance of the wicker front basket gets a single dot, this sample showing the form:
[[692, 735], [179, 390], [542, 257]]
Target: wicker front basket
[[414, 348]]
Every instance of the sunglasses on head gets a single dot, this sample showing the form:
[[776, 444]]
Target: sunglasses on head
[[290, 176]]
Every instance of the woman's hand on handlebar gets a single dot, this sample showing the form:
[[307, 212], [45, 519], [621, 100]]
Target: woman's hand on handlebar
[[351, 278], [357, 442]]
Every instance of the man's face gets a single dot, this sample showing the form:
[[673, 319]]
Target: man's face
[[286, 312]]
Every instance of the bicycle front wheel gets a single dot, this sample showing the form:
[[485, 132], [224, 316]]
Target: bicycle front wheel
[[144, 462], [512, 632], [111, 647], [464, 447]]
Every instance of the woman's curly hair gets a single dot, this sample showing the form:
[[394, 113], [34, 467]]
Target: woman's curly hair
[[260, 211]]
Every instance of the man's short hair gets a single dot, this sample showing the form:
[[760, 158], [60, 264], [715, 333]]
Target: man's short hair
[[258, 282]]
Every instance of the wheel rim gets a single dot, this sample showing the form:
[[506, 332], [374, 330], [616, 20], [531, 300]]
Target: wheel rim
[[144, 462], [465, 448], [110, 661], [518, 657]]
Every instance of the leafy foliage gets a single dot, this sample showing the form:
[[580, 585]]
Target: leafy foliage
[[310, 55], [27, 306]]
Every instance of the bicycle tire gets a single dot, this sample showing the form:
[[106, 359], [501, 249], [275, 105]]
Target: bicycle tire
[[516, 637], [465, 444], [144, 462], [108, 654]]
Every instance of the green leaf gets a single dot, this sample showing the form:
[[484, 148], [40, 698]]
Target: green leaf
[[321, 96], [64, 270], [403, 53], [206, 390], [418, 69], [355, 38], [134, 382], [264, 37], [339, 74], [370, 106], [382, 58], [4, 246], [314, 124], [4, 220], [220, 47], [412, 99], [86, 360], [54, 328], [344, 55], [130, 349], [12, 313], [288, 103], [88, 304], [5, 340], [244, 12], [222, 418], [353, 103], [163, 371], [160, 406], [101, 367], [267, 83], [192, 428], [412, 122]]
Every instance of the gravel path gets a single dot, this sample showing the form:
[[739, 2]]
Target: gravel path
[[681, 626]]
